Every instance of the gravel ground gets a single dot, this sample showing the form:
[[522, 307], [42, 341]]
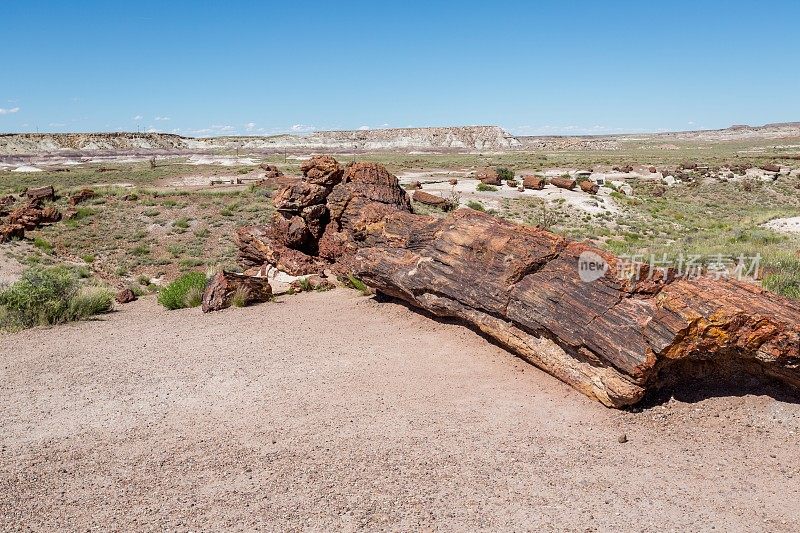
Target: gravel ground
[[333, 412]]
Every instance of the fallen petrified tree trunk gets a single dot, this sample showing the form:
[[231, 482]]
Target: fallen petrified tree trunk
[[606, 334]]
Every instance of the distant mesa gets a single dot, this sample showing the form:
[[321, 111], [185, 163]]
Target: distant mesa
[[434, 139]]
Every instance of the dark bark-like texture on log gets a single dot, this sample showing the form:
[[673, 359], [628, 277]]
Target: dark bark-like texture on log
[[613, 337], [609, 338]]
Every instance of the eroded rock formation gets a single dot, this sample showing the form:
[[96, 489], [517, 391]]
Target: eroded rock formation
[[612, 333]]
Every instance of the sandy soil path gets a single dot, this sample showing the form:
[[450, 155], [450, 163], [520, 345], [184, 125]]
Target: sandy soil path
[[333, 412]]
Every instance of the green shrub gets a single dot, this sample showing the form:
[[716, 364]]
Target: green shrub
[[483, 187], [89, 301], [505, 174], [43, 245], [186, 291], [358, 285], [88, 258], [477, 206], [47, 296]]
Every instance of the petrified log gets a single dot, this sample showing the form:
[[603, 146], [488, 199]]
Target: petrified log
[[533, 182], [41, 193], [489, 176], [81, 196], [563, 183], [613, 331], [429, 199], [652, 170], [32, 216], [225, 286], [589, 186], [610, 337], [769, 167]]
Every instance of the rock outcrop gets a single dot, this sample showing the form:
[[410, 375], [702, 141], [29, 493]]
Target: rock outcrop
[[611, 330]]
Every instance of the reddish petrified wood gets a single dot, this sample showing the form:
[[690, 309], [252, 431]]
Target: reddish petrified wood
[[589, 186], [563, 183], [609, 336], [429, 199], [81, 196], [223, 288], [533, 182]]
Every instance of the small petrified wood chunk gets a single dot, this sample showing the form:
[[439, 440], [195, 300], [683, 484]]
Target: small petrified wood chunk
[[224, 287]]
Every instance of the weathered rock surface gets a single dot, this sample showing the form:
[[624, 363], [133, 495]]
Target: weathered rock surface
[[611, 336], [322, 170], [32, 215], [125, 296], [11, 231], [225, 286]]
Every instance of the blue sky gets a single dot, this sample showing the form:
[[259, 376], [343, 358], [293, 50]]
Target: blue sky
[[247, 67]]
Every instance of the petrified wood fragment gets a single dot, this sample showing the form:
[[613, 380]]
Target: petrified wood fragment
[[225, 287]]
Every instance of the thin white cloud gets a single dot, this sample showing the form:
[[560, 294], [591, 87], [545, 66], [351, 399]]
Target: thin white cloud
[[162, 118], [303, 128], [138, 117], [56, 125], [8, 111], [250, 126], [363, 128]]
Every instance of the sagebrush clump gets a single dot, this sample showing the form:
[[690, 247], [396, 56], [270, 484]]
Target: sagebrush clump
[[186, 291], [48, 296]]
